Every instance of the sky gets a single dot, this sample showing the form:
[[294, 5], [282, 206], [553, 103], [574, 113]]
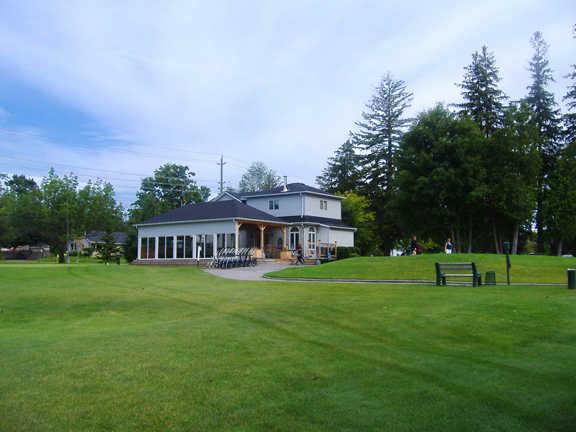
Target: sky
[[112, 90]]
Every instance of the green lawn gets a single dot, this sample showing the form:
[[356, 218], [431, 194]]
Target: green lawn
[[525, 268], [127, 348]]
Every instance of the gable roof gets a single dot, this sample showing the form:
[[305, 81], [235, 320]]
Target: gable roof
[[291, 189], [228, 209]]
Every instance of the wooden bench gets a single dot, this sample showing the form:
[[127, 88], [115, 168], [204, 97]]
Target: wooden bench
[[457, 270]]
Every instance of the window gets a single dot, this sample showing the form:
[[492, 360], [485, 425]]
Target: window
[[169, 247], [166, 247], [147, 247], [204, 246], [230, 240], [273, 204], [180, 247], [294, 238], [323, 205], [151, 247], [188, 249], [144, 247], [220, 242]]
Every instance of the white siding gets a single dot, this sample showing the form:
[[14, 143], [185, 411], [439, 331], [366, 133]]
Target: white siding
[[186, 228], [289, 205], [312, 207], [344, 238]]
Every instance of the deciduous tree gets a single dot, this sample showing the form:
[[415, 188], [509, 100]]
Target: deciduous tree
[[258, 177]]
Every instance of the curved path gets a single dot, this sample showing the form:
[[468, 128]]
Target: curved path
[[258, 273]]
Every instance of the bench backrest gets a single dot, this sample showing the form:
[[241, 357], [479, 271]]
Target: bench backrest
[[463, 267]]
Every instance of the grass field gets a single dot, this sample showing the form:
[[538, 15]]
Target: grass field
[[127, 348], [525, 268]]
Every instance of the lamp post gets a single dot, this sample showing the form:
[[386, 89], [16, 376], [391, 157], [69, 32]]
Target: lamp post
[[508, 265]]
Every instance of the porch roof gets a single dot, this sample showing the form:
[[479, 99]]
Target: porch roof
[[315, 220], [213, 210]]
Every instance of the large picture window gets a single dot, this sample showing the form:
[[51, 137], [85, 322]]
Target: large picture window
[[180, 247], [161, 247], [144, 247], [147, 247], [188, 248], [204, 246], [169, 247], [151, 247]]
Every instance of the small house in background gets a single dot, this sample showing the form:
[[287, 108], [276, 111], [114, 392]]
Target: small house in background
[[91, 241], [273, 223], [25, 252]]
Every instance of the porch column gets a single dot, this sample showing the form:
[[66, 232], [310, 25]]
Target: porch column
[[140, 247], [237, 226], [155, 247], [262, 228], [284, 235]]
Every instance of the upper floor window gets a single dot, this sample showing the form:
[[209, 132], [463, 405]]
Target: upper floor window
[[323, 205], [273, 204]]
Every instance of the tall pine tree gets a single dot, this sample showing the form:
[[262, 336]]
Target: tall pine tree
[[570, 99], [342, 173], [378, 137], [546, 119], [483, 100]]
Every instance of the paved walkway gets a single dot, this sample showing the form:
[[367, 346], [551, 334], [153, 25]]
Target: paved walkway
[[249, 273]]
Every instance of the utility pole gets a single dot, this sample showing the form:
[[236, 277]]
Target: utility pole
[[221, 163]]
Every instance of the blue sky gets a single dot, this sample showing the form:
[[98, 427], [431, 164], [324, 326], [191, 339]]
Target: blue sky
[[114, 89]]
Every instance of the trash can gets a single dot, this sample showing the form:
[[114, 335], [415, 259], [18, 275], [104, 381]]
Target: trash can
[[571, 278], [490, 278]]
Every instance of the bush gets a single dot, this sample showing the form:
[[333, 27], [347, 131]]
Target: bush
[[346, 252]]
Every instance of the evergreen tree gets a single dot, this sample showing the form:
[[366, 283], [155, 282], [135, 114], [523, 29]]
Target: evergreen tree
[[570, 99], [108, 251], [482, 98], [378, 137], [561, 198], [342, 173], [512, 164], [545, 117]]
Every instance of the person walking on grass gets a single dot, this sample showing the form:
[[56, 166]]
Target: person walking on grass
[[448, 246]]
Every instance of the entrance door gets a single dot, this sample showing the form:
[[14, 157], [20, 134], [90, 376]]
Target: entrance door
[[294, 238]]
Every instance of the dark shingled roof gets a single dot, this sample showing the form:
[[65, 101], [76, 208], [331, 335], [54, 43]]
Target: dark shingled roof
[[336, 223], [96, 236], [292, 187], [212, 210]]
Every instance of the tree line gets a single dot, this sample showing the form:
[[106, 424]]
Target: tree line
[[483, 171]]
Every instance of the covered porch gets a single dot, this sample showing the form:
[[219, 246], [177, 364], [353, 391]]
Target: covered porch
[[268, 239]]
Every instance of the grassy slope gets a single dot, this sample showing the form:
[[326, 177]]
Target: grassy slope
[[525, 268], [132, 348]]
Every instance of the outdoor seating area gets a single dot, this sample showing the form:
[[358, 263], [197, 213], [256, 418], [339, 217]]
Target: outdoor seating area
[[232, 257]]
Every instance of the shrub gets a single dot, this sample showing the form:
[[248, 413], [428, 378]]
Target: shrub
[[346, 252]]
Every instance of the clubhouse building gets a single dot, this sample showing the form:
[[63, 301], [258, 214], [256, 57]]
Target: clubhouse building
[[274, 223]]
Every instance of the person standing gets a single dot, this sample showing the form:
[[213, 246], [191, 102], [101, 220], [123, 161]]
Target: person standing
[[448, 246], [414, 246]]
